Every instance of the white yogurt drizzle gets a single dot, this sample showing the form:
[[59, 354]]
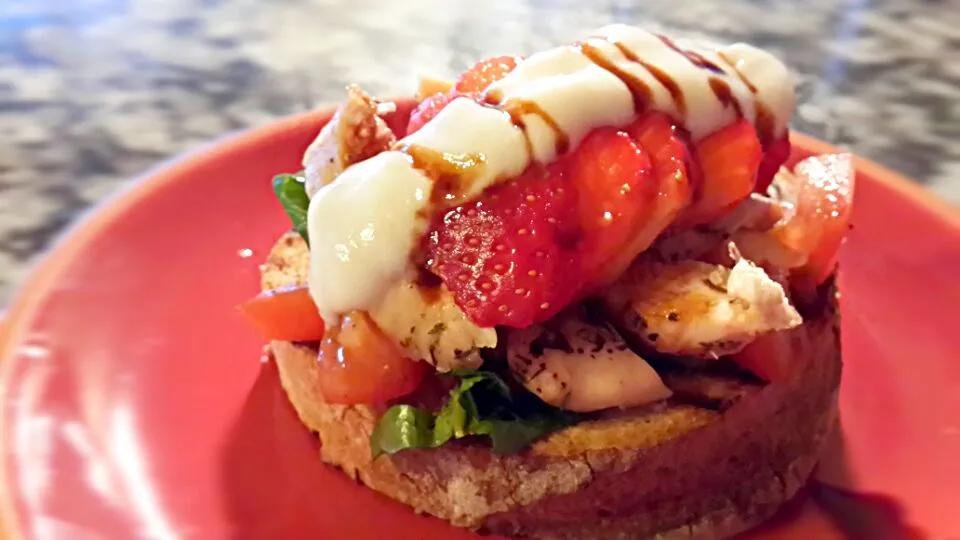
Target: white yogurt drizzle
[[366, 224]]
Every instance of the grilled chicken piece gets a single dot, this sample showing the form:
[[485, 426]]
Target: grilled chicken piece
[[692, 308], [355, 133], [581, 366], [708, 242], [425, 322], [429, 86], [428, 325]]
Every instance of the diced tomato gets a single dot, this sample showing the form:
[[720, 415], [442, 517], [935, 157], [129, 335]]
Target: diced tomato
[[767, 357], [358, 363], [823, 187], [485, 73], [287, 314], [729, 160]]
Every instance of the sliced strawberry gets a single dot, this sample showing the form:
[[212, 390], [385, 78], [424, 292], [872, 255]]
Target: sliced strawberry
[[471, 84], [775, 154], [431, 106], [673, 163], [485, 73], [729, 160], [658, 135], [529, 247], [612, 177], [507, 258]]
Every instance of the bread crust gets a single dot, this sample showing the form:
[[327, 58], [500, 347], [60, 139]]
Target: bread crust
[[663, 471]]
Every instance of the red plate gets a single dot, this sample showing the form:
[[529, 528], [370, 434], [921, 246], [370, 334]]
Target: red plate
[[135, 404]]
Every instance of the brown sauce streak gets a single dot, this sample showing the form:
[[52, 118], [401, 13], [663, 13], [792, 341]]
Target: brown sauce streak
[[493, 98], [452, 174], [661, 76], [429, 285], [518, 108], [639, 89], [766, 122], [695, 58], [722, 90], [743, 78]]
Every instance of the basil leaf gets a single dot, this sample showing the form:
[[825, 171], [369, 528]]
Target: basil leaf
[[511, 436], [480, 404], [451, 421], [472, 376], [402, 426], [291, 190]]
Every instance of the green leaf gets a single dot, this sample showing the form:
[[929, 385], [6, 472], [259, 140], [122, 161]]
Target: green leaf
[[472, 377], [291, 190], [401, 427], [481, 404], [511, 436], [451, 421]]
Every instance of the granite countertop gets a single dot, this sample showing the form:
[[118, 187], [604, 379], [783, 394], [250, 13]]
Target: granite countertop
[[94, 92]]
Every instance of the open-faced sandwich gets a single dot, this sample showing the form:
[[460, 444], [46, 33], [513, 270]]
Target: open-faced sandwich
[[572, 295]]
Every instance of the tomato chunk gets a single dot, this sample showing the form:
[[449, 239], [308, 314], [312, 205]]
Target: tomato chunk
[[358, 363], [823, 188], [767, 357], [287, 314]]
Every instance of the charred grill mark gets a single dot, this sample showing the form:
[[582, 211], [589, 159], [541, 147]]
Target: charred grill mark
[[540, 368], [595, 337], [721, 346], [550, 340], [524, 361], [634, 321], [716, 283]]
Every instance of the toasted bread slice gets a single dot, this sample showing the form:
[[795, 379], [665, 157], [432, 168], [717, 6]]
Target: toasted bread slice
[[670, 470]]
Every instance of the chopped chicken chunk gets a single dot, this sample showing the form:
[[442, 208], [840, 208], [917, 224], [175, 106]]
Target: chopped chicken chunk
[[429, 86], [693, 308], [581, 366], [708, 242], [429, 326], [355, 133]]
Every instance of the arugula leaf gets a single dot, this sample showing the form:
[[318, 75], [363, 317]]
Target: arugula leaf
[[480, 404], [292, 192]]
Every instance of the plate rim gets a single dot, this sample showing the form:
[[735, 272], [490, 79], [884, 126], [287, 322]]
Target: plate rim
[[85, 228]]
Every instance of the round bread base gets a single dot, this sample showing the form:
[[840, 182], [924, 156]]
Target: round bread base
[[669, 470], [664, 471]]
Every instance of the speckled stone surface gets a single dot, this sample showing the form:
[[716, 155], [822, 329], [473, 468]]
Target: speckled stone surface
[[94, 92]]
